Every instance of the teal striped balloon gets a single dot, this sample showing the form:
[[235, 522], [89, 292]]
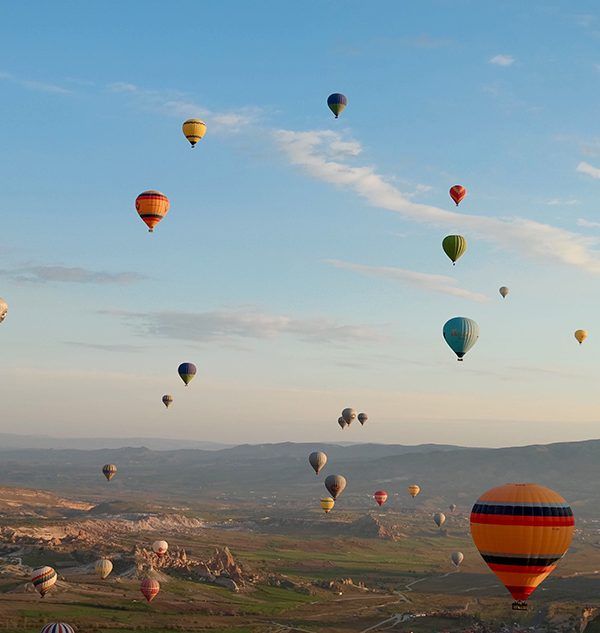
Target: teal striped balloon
[[461, 334]]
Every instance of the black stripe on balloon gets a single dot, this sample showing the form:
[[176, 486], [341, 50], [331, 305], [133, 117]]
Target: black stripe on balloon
[[522, 511], [516, 560]]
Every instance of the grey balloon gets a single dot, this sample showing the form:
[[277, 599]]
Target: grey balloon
[[457, 558], [362, 418], [439, 518], [317, 460], [335, 484], [504, 291], [452, 507], [349, 415], [341, 422]]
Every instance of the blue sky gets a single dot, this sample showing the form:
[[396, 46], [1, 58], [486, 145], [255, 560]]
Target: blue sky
[[300, 265]]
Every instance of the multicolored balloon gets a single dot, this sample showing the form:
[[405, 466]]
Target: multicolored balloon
[[336, 103], [362, 418], [160, 547], [43, 579], [187, 371], [521, 532], [454, 246], [194, 130], [109, 471], [457, 193], [150, 588], [335, 485], [167, 400], [414, 490], [317, 460], [327, 504], [103, 568], [152, 206], [57, 627], [461, 334], [380, 497]]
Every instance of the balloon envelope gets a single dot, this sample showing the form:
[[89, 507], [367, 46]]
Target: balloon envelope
[[414, 490], [362, 418], [337, 102], [452, 507], [335, 485], [581, 335], [454, 246], [194, 130], [160, 547], [503, 291], [457, 193], [103, 568], [521, 531], [327, 504], [187, 371], [150, 588], [461, 334], [439, 518], [3, 309], [152, 206], [57, 627], [317, 460], [167, 400], [342, 422], [109, 471], [348, 415], [380, 497], [43, 579], [457, 558]]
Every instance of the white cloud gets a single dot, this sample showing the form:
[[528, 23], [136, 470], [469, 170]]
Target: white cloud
[[312, 151], [37, 86], [558, 202], [433, 283], [502, 60], [589, 170], [69, 274], [587, 224]]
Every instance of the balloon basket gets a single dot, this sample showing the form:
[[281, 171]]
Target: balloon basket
[[519, 605]]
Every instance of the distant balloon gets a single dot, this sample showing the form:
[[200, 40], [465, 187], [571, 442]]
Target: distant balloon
[[335, 484], [152, 206], [43, 579], [461, 334], [457, 558], [109, 471], [452, 507], [160, 547], [167, 400], [457, 193], [380, 497], [455, 246], [414, 490], [327, 504], [342, 422], [439, 518], [150, 588], [58, 627], [103, 568], [194, 130], [503, 291], [362, 418], [187, 371], [521, 531], [349, 415], [317, 460], [581, 335], [3, 309], [337, 102]]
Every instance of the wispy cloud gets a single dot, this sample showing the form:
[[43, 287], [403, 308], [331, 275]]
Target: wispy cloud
[[587, 223], [173, 103], [237, 324], [38, 86], [312, 151], [589, 170], [117, 347], [432, 283], [502, 60], [69, 274], [559, 202]]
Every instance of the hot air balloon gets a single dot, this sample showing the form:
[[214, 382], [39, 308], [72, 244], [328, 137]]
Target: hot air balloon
[[335, 484], [380, 497], [414, 490], [317, 460], [327, 504], [109, 471], [452, 507], [194, 130], [43, 579], [187, 371], [362, 418], [349, 415], [167, 400], [461, 334], [103, 568], [152, 206], [57, 627], [521, 532], [454, 246], [150, 588], [457, 193], [581, 335], [457, 558], [503, 291], [160, 547], [337, 102], [3, 309], [439, 519], [342, 422]]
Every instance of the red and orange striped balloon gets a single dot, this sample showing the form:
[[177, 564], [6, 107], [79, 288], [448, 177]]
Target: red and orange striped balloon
[[150, 588], [152, 207], [521, 532], [457, 193], [380, 497]]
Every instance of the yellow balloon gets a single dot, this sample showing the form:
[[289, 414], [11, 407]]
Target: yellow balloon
[[327, 504], [581, 335], [103, 568], [194, 130], [414, 490]]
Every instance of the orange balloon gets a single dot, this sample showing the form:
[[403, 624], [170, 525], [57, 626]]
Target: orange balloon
[[152, 207]]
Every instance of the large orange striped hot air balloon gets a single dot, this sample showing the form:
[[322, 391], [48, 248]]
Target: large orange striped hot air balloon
[[152, 207], [521, 531]]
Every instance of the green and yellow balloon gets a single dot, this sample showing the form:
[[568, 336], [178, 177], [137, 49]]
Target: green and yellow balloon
[[454, 246]]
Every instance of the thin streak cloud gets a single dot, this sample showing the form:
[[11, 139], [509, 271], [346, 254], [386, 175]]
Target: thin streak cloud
[[69, 274]]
